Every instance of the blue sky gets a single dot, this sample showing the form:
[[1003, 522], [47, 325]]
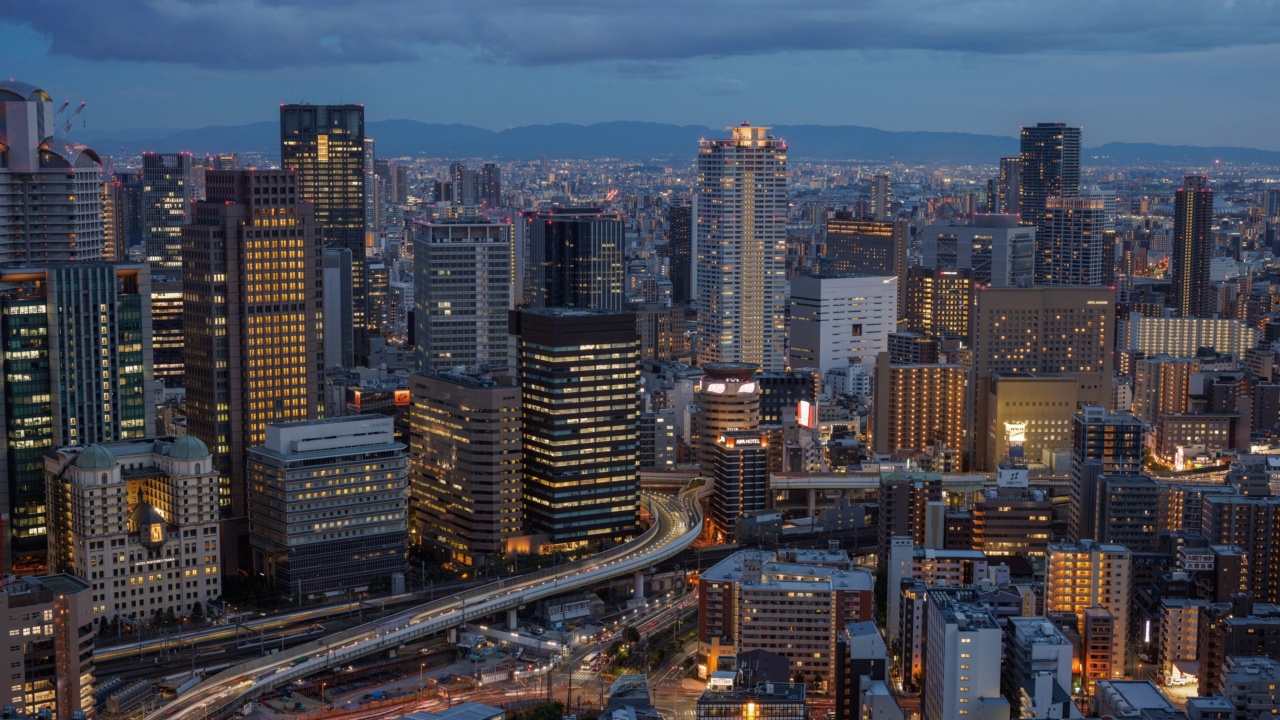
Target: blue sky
[[1196, 72]]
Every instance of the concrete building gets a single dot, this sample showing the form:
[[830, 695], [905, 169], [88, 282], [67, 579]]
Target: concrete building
[[739, 248], [1028, 418], [727, 698], [51, 636], [464, 285], [64, 325], [1073, 245], [1087, 575], [328, 504], [728, 398], [939, 303], [998, 248], [740, 474], [1012, 521], [1182, 337], [49, 186], [917, 407], [1103, 444], [1162, 384], [904, 498], [838, 321], [1050, 165], [579, 373], [1033, 645], [1128, 512], [465, 463], [791, 604], [861, 658], [1249, 683], [961, 643], [138, 522], [658, 440], [339, 336], [1179, 646]]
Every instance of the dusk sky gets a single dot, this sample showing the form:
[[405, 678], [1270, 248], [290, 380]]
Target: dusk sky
[[1196, 72]]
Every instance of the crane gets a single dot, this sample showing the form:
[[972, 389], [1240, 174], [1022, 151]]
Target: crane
[[62, 109], [67, 128]]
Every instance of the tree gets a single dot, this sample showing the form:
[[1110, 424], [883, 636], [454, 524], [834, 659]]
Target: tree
[[197, 612], [615, 649], [631, 635]]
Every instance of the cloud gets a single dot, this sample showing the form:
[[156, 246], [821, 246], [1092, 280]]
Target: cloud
[[642, 39], [726, 86]]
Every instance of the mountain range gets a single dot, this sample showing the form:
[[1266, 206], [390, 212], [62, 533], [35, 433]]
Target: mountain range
[[643, 140]]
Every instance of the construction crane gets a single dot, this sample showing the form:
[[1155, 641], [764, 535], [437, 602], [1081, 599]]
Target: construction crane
[[67, 128], [62, 109]]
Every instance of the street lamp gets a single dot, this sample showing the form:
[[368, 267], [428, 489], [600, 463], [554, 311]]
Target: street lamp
[[322, 687], [421, 666]]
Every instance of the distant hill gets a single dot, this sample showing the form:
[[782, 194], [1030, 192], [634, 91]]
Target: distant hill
[[643, 140]]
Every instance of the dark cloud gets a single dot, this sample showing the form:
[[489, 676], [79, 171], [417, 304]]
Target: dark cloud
[[641, 38]]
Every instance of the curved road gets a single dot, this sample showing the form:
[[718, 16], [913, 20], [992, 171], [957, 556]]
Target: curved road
[[677, 523]]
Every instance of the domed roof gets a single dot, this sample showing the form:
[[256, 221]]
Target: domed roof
[[188, 448], [95, 457]]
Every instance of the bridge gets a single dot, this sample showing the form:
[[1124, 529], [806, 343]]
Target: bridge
[[677, 523]]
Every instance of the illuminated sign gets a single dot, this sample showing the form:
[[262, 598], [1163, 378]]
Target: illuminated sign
[[1097, 302], [747, 388], [716, 388], [805, 417], [1015, 432], [402, 397]]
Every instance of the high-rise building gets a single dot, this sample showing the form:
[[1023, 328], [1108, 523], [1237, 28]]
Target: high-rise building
[[1050, 158], [1192, 247], [939, 303], [157, 497], [1128, 511], [491, 185], [1102, 444], [372, 206], [252, 264], [168, 334], [50, 187], [1183, 337], [581, 448], [740, 218], [465, 463], [50, 655], [1086, 575], [1162, 384], [1027, 415], [904, 498], [166, 199], [881, 192], [680, 251], [463, 279], [324, 145], [962, 643], [1073, 247], [838, 321], [75, 342], [868, 247], [740, 473], [1012, 521], [576, 258], [919, 407], [1008, 200], [728, 398], [328, 503], [999, 250]]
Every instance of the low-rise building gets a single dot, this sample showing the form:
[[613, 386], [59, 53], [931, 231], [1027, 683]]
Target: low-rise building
[[776, 701], [48, 653], [1249, 683]]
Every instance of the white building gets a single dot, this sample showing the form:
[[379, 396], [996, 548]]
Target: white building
[[1181, 337], [964, 646], [841, 321], [141, 524], [998, 248], [739, 249]]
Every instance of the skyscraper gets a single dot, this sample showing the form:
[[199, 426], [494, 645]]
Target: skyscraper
[[252, 262], [463, 287], [680, 251], [939, 302], [917, 407], [166, 198], [50, 187], [491, 185], [1192, 247], [1009, 187], [324, 144], [881, 191], [841, 320], [1102, 444], [75, 341], [576, 258], [1000, 251], [1050, 167], [870, 247], [581, 448], [1073, 246], [372, 207], [740, 285]]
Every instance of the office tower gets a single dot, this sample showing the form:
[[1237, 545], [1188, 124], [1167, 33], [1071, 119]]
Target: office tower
[[372, 206], [881, 190], [380, 312], [728, 398], [156, 497], [466, 184], [1102, 444], [868, 247], [581, 449], [576, 258], [307, 474], [903, 499], [939, 303], [50, 657], [127, 191], [680, 251], [780, 393], [75, 341], [252, 263], [1183, 337], [166, 198], [1073, 247], [1050, 158], [740, 474], [962, 643], [658, 440], [1027, 420], [463, 283], [167, 330], [1008, 200], [1047, 330], [50, 187], [919, 407], [838, 321], [1087, 575], [740, 234], [465, 463], [999, 250], [1128, 511], [113, 238], [1192, 247], [1162, 384], [339, 340], [750, 601], [324, 145], [662, 331], [491, 185]]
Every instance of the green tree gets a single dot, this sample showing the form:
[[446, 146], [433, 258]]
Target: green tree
[[197, 612], [615, 649], [631, 635]]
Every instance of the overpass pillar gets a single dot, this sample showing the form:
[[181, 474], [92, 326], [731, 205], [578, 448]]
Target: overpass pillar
[[813, 502], [453, 636], [512, 621], [639, 580]]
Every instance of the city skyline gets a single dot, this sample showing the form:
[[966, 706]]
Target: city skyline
[[171, 65]]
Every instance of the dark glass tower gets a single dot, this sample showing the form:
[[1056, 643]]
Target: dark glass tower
[[576, 258], [1050, 167], [680, 250], [1192, 247], [325, 145]]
